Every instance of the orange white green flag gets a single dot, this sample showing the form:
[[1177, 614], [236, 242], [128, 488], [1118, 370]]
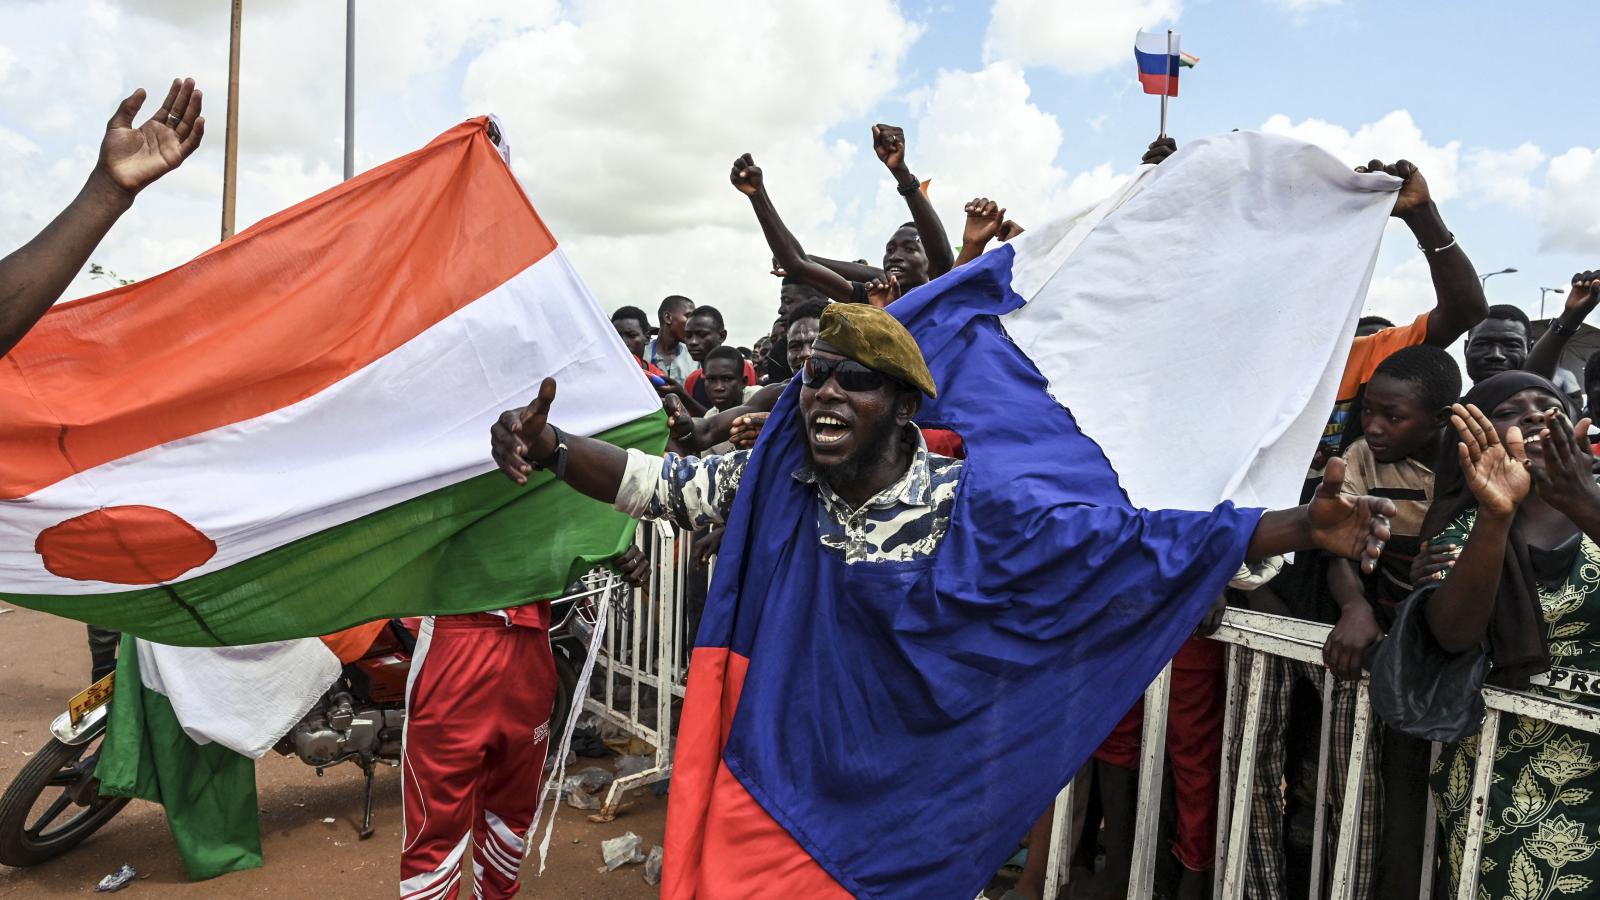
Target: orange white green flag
[[288, 435]]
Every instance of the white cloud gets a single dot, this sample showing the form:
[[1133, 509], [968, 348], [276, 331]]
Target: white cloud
[[624, 140], [1393, 137], [1571, 212], [956, 144], [1080, 38], [1504, 176], [642, 140]]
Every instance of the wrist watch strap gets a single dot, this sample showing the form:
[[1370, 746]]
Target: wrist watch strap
[[557, 463]]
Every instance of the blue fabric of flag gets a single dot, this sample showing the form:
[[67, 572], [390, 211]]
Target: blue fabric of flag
[[1157, 63], [907, 722]]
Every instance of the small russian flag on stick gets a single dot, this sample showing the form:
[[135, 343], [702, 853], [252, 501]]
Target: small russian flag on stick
[[1159, 61]]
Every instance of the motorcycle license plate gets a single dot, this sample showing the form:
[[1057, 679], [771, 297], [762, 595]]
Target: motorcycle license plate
[[90, 698]]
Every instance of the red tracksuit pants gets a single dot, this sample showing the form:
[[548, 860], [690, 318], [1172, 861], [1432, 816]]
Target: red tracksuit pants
[[478, 704], [1194, 747]]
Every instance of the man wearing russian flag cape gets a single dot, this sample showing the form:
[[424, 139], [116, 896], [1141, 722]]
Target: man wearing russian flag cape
[[875, 509]]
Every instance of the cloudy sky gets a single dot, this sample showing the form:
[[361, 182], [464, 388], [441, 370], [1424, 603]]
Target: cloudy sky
[[625, 115]]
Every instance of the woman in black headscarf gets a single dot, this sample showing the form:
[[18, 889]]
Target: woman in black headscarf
[[1517, 493]]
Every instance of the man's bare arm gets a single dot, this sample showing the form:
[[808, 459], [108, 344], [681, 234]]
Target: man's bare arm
[[1582, 297], [1458, 294], [36, 274], [791, 257], [850, 271], [889, 142], [697, 435]]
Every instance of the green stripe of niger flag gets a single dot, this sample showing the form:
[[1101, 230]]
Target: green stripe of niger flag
[[476, 545]]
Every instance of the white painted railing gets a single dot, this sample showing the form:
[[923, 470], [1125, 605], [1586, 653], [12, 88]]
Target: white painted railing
[[643, 664]]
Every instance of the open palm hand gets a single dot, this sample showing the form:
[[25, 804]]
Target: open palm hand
[[1495, 470], [134, 157]]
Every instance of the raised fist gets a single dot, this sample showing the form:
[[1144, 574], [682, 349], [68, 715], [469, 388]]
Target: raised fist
[[746, 175], [889, 142]]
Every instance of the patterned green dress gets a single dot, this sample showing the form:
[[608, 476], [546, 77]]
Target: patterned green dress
[[1543, 826]]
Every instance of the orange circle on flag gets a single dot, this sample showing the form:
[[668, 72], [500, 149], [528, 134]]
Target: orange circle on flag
[[124, 545]]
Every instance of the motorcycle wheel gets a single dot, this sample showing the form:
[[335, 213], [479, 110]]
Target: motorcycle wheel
[[58, 780]]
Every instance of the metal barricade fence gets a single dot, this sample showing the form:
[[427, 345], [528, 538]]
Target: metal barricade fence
[[642, 665], [1251, 638]]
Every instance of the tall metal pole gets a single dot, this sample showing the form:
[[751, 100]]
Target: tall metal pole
[[230, 153], [349, 88], [1166, 91]]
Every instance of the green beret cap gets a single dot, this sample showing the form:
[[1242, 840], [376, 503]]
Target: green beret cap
[[877, 340]]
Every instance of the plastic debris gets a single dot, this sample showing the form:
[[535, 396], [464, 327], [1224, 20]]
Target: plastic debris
[[117, 880], [652, 866], [633, 765], [620, 851], [583, 787], [591, 778], [582, 799], [327, 821]]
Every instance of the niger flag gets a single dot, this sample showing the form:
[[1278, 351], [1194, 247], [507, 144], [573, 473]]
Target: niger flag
[[289, 434]]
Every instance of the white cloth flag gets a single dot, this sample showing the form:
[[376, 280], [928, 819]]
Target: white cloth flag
[[1243, 257], [243, 698]]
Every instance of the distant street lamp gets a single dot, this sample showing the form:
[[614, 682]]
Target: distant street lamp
[[1542, 292], [1485, 278]]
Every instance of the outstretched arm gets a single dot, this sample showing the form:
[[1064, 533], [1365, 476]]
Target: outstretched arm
[[850, 271], [1458, 294], [523, 436], [685, 490], [698, 434], [1343, 524], [35, 275], [747, 178], [1581, 300], [889, 142]]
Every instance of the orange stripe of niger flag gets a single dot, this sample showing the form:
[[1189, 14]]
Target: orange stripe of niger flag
[[214, 342]]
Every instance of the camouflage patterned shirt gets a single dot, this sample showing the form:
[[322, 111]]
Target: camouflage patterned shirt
[[904, 521]]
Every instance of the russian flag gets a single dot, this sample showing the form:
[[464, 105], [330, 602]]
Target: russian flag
[[1131, 382], [1158, 69]]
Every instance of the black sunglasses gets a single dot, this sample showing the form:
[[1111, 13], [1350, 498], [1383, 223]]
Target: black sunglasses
[[853, 376]]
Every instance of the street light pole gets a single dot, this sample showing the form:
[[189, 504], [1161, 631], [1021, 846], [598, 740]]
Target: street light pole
[[1484, 279], [1542, 292], [349, 88]]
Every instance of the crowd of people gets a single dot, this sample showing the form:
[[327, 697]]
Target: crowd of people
[[1515, 442], [1482, 507]]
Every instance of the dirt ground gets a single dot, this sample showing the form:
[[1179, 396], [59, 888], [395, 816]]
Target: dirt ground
[[44, 660]]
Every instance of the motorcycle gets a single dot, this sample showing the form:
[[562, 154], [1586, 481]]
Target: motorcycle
[[359, 719]]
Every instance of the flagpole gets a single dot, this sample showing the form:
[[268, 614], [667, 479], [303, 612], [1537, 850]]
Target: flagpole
[[349, 88], [1166, 90], [230, 149]]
